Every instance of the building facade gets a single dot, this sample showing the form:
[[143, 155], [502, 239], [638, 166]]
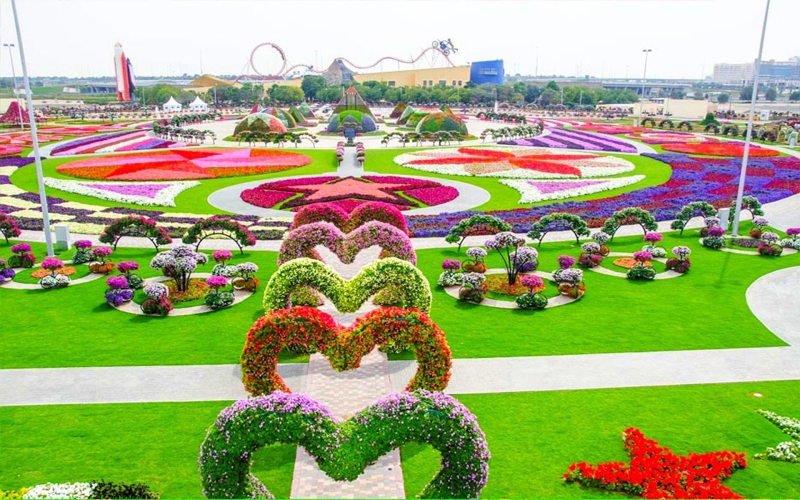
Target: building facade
[[733, 73], [771, 72]]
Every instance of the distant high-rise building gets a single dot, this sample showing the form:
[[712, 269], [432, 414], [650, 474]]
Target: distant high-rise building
[[772, 71], [733, 73]]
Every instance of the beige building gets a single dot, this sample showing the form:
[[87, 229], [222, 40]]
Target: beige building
[[456, 76], [732, 73]]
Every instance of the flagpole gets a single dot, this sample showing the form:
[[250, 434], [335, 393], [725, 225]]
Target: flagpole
[[749, 137], [48, 238]]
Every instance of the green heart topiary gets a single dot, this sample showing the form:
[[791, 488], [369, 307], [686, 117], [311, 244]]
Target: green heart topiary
[[348, 295], [344, 450], [343, 346]]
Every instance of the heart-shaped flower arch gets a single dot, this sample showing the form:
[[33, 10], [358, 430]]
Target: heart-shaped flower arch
[[343, 346], [336, 215], [349, 295], [301, 242], [344, 450]]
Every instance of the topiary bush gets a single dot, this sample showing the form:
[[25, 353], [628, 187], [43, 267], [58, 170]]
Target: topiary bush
[[348, 295], [438, 122], [344, 450], [343, 346], [8, 227], [260, 122], [476, 225]]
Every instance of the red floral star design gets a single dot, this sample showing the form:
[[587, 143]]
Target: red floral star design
[[350, 187], [477, 161], [656, 472]]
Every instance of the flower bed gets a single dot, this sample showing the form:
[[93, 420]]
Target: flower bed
[[562, 138], [89, 145], [518, 163], [537, 191], [769, 179], [720, 149], [498, 283], [671, 137], [656, 472], [136, 193], [349, 192], [184, 164]]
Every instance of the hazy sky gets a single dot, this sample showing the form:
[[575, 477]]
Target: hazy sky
[[597, 37]]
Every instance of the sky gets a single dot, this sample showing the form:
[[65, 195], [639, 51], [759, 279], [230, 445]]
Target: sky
[[602, 38]]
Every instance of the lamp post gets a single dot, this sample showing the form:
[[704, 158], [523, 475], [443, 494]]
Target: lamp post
[[14, 75], [48, 238], [749, 137], [644, 80]]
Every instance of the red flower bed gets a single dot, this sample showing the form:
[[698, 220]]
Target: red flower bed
[[434, 195], [544, 166], [656, 472], [719, 149], [714, 177], [264, 197]]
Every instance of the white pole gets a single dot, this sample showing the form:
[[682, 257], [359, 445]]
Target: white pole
[[48, 238], [644, 79], [14, 75], [749, 137]]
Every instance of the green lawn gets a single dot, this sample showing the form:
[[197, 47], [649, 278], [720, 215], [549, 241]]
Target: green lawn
[[533, 438], [194, 200], [615, 315]]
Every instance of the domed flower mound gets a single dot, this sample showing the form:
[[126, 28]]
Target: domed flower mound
[[306, 111], [260, 122], [403, 120], [415, 118], [397, 112], [436, 122], [297, 116], [357, 119], [282, 115]]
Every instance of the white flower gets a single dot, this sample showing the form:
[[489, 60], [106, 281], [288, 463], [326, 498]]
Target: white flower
[[533, 192], [61, 490]]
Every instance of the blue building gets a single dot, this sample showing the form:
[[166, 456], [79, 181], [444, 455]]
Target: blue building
[[488, 72], [781, 71]]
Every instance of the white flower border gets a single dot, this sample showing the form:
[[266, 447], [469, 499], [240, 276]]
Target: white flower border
[[531, 194], [164, 198], [611, 165]]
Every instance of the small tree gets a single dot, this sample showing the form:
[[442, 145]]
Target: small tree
[[771, 94], [746, 93], [514, 253], [794, 96], [723, 98]]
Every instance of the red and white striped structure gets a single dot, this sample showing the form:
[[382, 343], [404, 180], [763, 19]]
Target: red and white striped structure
[[124, 72]]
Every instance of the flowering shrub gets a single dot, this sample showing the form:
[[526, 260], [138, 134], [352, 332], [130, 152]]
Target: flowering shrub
[[449, 278], [219, 225], [8, 227], [591, 255], [221, 256], [475, 225], [525, 259], [100, 264], [135, 225], [52, 264], [178, 264], [750, 204], [95, 490], [216, 298], [656, 472], [344, 450], [474, 263], [62, 490], [506, 244], [787, 451], [301, 242], [348, 296], [566, 261], [681, 262], [54, 281], [715, 238], [641, 270], [134, 280], [83, 252], [118, 290], [22, 256], [533, 298], [6, 273], [693, 209], [473, 287], [451, 265], [245, 278], [100, 254], [559, 221], [343, 346], [157, 302], [793, 241], [769, 250]]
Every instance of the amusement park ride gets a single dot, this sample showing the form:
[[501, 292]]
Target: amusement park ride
[[251, 73]]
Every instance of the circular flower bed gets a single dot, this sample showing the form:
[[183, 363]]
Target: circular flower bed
[[184, 164], [64, 271], [629, 262], [719, 149], [197, 290], [498, 283], [349, 192], [519, 163]]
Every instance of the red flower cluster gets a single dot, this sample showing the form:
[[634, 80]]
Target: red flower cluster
[[343, 346], [656, 472], [718, 149]]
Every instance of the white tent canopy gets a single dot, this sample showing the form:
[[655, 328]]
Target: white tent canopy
[[172, 105], [198, 106]]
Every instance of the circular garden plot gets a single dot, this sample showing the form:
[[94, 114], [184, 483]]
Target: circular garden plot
[[516, 163], [348, 192], [184, 164], [508, 300], [625, 261]]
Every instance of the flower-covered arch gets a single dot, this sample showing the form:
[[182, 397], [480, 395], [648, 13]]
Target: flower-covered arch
[[630, 215], [688, 212], [219, 225], [135, 225], [475, 225], [559, 221]]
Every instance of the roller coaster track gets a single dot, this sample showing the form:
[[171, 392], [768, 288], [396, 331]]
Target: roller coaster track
[[390, 58]]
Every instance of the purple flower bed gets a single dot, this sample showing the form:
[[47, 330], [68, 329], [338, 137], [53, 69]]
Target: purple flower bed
[[63, 148], [693, 179], [574, 139]]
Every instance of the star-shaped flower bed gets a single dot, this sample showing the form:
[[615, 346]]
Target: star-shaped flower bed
[[514, 163], [181, 164], [349, 192], [656, 472]]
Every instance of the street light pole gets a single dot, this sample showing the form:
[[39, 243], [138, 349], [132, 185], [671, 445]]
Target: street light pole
[[48, 238], [644, 79], [749, 137], [14, 74]]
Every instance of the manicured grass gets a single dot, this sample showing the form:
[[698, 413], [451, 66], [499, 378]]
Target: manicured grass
[[157, 444], [534, 437], [615, 315], [194, 200], [75, 327]]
